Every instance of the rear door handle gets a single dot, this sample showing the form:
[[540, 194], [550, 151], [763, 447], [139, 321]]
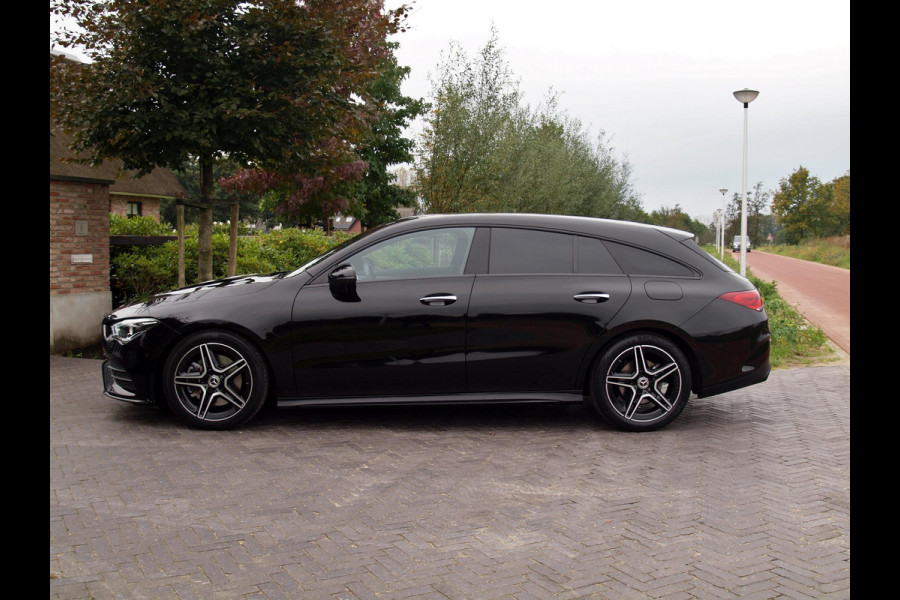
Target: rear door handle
[[438, 299], [592, 297]]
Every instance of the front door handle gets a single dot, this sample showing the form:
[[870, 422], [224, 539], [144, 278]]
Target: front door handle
[[438, 299], [592, 297]]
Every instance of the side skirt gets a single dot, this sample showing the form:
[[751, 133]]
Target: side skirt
[[475, 398]]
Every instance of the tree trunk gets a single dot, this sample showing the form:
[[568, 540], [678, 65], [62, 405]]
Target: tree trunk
[[232, 239], [204, 230]]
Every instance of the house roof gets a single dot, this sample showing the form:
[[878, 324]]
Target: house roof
[[160, 182]]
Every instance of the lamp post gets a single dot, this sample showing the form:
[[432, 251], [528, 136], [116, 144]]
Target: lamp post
[[745, 97], [722, 225], [715, 216]]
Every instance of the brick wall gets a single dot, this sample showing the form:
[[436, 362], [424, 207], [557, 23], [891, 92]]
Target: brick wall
[[79, 225], [149, 206]]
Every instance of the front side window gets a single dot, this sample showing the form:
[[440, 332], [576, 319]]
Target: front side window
[[432, 253], [133, 209]]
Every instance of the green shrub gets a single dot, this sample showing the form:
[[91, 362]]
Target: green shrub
[[119, 225], [138, 272]]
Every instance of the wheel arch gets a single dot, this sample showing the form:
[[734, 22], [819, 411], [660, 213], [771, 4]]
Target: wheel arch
[[673, 335], [204, 327]]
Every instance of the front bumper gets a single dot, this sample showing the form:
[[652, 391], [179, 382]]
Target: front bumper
[[120, 385], [131, 368]]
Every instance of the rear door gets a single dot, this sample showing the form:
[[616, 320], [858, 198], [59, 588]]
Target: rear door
[[545, 299]]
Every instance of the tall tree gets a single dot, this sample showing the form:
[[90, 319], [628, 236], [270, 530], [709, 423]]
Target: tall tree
[[485, 149], [377, 195], [757, 205], [472, 107], [841, 203], [676, 218], [801, 205], [278, 85]]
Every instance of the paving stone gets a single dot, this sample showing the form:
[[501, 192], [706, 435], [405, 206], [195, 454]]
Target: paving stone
[[746, 495]]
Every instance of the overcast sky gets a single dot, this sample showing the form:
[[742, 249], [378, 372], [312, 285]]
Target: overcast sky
[[657, 77]]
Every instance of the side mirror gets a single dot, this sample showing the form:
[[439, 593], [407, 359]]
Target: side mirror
[[342, 283]]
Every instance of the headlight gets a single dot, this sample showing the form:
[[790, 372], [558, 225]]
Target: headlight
[[126, 330]]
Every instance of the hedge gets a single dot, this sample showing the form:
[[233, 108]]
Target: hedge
[[137, 272]]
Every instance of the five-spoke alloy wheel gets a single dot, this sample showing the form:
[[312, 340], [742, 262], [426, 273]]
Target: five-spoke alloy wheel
[[641, 383], [215, 380]]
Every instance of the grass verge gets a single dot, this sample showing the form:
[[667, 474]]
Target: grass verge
[[834, 251]]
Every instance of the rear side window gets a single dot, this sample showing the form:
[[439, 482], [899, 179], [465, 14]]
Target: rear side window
[[635, 261], [591, 256], [529, 251]]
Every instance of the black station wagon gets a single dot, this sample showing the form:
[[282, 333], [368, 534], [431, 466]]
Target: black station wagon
[[466, 308]]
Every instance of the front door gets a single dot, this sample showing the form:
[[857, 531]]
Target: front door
[[404, 335]]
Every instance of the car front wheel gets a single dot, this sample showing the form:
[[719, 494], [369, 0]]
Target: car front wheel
[[215, 380], [641, 383]]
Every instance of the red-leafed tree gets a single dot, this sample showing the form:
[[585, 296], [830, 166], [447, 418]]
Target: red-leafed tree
[[278, 85]]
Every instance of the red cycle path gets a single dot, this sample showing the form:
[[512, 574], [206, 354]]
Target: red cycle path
[[821, 293]]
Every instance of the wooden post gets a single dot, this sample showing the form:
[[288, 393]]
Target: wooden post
[[179, 225], [232, 238], [205, 220]]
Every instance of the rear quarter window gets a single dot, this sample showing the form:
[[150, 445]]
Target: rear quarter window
[[636, 261]]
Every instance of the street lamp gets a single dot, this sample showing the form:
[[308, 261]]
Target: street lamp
[[722, 218], [745, 97]]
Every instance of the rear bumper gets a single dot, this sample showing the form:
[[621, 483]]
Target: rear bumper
[[753, 376]]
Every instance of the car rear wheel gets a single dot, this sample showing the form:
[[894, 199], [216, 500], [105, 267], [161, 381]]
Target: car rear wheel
[[641, 383], [215, 380]]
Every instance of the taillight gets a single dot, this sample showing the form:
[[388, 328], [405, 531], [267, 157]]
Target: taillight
[[748, 298]]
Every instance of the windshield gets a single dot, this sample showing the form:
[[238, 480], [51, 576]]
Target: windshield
[[321, 257], [336, 249]]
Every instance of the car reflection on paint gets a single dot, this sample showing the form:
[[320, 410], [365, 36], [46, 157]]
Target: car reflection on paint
[[470, 308]]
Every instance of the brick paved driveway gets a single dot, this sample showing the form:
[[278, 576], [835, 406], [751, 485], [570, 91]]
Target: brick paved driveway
[[745, 495]]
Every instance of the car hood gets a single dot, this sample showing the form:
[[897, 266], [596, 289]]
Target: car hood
[[208, 291]]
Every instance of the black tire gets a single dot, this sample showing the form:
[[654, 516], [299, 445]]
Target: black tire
[[641, 383], [215, 380]]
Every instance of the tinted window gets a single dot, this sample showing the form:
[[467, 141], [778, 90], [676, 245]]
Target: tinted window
[[434, 253], [635, 261], [591, 256], [529, 251]]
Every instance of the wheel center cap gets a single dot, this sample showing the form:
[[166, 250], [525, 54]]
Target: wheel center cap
[[214, 381], [643, 383]]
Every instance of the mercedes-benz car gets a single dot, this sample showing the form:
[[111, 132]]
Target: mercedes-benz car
[[470, 308]]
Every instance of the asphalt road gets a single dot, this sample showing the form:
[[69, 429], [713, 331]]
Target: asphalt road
[[821, 293]]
